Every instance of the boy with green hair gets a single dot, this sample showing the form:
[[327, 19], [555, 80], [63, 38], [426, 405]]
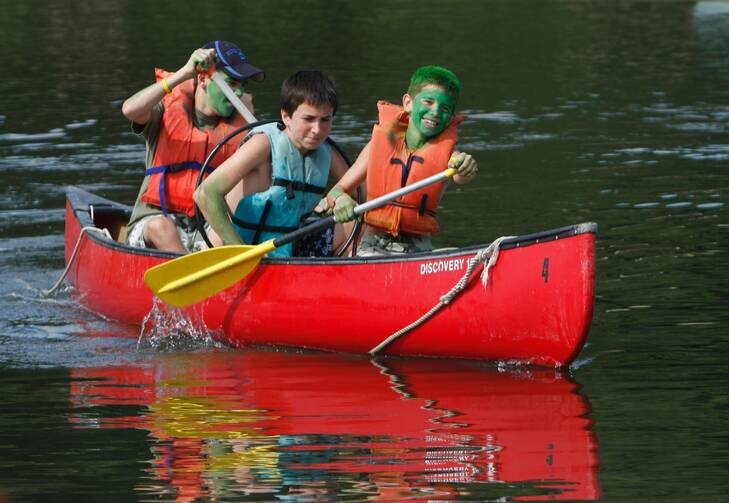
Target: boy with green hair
[[411, 142]]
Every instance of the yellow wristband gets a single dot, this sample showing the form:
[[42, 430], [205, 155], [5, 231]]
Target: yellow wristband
[[166, 87]]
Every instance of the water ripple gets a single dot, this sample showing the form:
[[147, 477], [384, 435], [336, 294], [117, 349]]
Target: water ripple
[[503, 117], [51, 135], [81, 124]]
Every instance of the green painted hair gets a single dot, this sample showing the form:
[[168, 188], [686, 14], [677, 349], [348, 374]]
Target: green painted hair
[[437, 75]]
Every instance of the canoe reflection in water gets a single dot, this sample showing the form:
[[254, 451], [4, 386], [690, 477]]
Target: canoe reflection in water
[[284, 426]]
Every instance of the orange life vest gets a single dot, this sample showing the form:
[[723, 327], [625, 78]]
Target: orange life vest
[[392, 166], [182, 148]]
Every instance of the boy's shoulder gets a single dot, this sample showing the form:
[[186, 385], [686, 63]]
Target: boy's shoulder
[[389, 113]]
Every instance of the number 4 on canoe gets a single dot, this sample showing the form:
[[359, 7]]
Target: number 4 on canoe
[[197, 276]]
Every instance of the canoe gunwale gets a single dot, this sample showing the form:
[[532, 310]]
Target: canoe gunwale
[[83, 203]]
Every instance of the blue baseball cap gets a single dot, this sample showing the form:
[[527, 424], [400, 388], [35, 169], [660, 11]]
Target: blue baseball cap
[[234, 62]]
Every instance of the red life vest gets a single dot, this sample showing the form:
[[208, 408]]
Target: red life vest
[[182, 148], [392, 166]]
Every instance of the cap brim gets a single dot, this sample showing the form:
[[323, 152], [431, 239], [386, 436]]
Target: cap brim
[[245, 71]]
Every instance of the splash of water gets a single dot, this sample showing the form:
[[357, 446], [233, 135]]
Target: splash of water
[[171, 329]]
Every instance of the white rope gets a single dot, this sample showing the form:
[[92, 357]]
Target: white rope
[[51, 290], [491, 252]]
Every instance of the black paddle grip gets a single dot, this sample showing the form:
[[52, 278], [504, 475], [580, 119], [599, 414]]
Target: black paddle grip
[[300, 233]]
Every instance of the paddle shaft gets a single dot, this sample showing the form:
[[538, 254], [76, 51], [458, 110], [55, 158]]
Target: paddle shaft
[[364, 207], [233, 98]]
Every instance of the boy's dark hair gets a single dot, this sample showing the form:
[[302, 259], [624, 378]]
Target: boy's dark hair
[[310, 86], [437, 75]]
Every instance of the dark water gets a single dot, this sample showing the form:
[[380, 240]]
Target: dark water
[[613, 112]]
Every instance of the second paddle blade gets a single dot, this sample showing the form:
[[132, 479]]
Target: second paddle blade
[[160, 277]]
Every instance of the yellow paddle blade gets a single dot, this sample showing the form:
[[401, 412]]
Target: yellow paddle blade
[[195, 277]]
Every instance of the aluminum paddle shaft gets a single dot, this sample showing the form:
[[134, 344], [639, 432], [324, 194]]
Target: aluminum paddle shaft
[[365, 207], [233, 98]]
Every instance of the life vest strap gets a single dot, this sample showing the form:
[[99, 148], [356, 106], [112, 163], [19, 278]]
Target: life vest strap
[[292, 185], [262, 222], [172, 168], [264, 228], [422, 209], [423, 205], [406, 167]]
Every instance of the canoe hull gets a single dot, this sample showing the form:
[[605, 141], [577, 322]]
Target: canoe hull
[[536, 308]]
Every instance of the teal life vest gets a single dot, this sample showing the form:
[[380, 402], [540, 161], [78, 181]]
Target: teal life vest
[[298, 184]]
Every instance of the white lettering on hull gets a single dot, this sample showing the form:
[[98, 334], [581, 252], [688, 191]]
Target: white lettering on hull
[[455, 264]]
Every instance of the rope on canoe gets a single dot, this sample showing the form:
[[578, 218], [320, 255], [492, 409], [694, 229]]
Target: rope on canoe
[[491, 252], [84, 230]]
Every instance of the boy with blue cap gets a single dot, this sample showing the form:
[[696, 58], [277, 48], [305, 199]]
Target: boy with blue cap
[[182, 117]]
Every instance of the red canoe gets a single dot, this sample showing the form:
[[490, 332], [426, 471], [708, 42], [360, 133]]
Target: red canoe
[[536, 307]]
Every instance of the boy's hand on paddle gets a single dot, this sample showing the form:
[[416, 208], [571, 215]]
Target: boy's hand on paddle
[[464, 163], [344, 208], [322, 207], [200, 60]]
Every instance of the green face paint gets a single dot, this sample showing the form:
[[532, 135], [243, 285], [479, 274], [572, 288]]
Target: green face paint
[[222, 106], [433, 108]]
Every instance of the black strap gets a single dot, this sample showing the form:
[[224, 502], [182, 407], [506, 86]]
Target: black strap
[[292, 185], [421, 209], [180, 166], [406, 167], [264, 228], [262, 222], [423, 203]]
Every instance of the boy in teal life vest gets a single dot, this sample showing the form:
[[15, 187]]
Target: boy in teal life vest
[[411, 142], [182, 117], [283, 168]]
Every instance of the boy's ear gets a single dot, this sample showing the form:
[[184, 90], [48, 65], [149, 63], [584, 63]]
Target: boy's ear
[[285, 117], [407, 102]]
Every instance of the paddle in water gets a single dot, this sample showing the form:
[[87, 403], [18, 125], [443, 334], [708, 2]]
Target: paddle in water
[[197, 276]]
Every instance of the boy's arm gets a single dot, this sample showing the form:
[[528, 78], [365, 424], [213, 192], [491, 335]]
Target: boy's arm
[[138, 107], [210, 195], [355, 175], [338, 166], [339, 197], [466, 165]]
